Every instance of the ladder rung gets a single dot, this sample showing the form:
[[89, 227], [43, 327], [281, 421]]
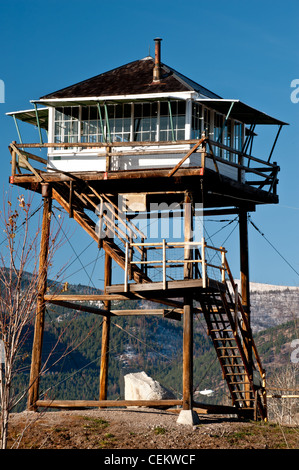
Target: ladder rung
[[235, 365], [239, 383], [231, 357], [243, 399], [236, 373], [225, 339], [223, 330]]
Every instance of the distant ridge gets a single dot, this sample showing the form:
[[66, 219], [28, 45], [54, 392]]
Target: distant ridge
[[260, 287]]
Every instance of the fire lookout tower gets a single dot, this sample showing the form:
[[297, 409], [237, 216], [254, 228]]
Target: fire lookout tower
[[145, 134]]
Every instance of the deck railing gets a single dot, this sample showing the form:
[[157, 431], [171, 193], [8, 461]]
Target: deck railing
[[198, 256], [251, 170]]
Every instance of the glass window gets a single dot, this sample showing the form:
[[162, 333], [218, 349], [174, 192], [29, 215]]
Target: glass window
[[66, 125], [218, 125], [238, 136], [227, 140], [172, 120], [197, 121], [145, 122], [119, 125], [122, 122], [206, 122], [91, 130]]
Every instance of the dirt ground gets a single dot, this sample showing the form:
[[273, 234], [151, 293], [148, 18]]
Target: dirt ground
[[142, 429]]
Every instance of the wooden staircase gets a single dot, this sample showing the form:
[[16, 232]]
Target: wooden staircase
[[110, 219], [229, 331]]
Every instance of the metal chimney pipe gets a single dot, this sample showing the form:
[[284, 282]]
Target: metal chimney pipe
[[157, 67]]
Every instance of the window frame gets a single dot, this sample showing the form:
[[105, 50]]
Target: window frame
[[208, 120], [157, 132]]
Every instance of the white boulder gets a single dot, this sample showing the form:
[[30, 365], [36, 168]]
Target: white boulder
[[139, 386]]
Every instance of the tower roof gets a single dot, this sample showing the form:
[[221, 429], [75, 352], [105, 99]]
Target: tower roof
[[130, 79]]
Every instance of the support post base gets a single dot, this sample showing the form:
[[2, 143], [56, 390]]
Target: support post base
[[188, 417]]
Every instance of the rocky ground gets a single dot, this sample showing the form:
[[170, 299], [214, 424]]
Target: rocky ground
[[143, 429]]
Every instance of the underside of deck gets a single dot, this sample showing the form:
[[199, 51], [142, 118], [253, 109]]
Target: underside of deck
[[206, 186], [173, 289]]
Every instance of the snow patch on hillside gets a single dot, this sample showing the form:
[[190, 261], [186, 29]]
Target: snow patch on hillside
[[259, 287]]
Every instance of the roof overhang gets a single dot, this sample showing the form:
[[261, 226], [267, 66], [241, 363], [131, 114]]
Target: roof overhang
[[240, 111], [29, 116], [236, 109], [93, 100]]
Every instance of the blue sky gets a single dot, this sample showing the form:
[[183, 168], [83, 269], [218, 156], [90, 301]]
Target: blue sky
[[244, 50]]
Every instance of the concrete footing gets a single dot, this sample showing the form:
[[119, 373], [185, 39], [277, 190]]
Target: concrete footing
[[188, 417]]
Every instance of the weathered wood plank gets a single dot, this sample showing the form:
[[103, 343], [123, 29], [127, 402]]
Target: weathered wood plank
[[81, 404], [105, 332], [106, 403], [33, 392], [83, 297], [175, 169], [157, 286]]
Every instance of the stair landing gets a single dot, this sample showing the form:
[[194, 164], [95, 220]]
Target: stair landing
[[176, 288]]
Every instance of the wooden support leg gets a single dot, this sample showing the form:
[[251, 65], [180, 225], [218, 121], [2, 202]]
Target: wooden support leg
[[188, 313], [244, 262], [245, 291], [40, 306], [188, 356], [105, 334]]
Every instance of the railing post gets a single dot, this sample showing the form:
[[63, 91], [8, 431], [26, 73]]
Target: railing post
[[164, 263], [100, 226], [126, 267], [203, 263], [236, 307], [222, 264], [204, 152], [13, 161], [108, 152], [130, 257]]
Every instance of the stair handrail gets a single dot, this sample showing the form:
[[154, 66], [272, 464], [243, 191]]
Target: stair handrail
[[245, 320]]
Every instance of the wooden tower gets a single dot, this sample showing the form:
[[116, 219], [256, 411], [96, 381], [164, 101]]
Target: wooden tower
[[145, 136]]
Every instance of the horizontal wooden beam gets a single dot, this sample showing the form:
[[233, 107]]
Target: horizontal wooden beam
[[80, 307], [79, 404], [202, 408], [130, 296], [84, 297], [102, 176], [174, 314], [214, 409], [106, 144]]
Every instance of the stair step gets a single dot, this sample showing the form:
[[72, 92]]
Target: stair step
[[235, 373], [231, 357], [244, 399], [223, 330], [226, 339], [238, 364], [221, 321], [240, 383]]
